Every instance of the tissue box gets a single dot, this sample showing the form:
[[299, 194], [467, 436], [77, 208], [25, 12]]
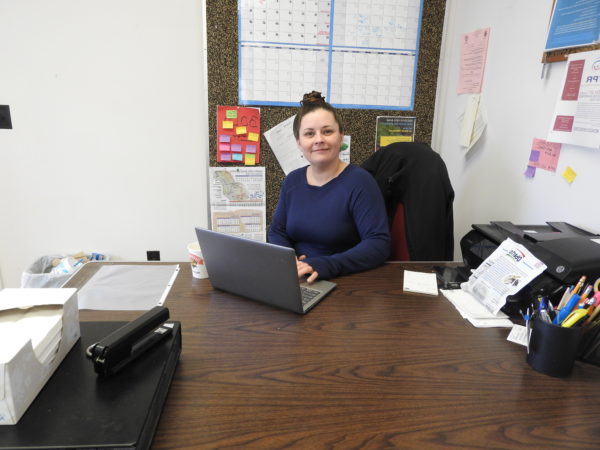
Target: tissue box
[[38, 327]]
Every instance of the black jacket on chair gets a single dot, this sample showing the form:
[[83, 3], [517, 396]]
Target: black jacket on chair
[[413, 174]]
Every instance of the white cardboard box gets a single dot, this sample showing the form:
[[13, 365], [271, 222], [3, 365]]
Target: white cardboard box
[[38, 327]]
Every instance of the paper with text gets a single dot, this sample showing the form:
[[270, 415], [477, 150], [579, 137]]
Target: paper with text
[[505, 272], [576, 118], [470, 309], [473, 56], [238, 201]]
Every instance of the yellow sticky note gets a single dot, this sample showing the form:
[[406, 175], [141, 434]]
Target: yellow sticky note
[[231, 114], [250, 159], [227, 125], [240, 130], [253, 137], [387, 140], [569, 175]]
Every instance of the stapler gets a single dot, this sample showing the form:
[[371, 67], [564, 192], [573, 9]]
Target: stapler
[[127, 343]]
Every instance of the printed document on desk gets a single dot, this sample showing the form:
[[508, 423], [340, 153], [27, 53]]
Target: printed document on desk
[[472, 310], [503, 273]]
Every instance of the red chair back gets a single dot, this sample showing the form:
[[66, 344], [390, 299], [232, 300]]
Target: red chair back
[[398, 234]]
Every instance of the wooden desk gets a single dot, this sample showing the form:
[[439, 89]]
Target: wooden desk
[[369, 367]]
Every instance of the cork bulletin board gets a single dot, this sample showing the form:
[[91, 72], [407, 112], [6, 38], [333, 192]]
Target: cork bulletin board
[[222, 29]]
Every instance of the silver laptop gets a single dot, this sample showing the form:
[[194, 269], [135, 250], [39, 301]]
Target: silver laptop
[[259, 271]]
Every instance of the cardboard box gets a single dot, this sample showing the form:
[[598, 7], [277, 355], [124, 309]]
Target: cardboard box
[[38, 327]]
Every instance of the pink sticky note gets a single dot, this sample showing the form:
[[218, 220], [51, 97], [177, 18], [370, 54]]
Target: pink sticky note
[[250, 148], [224, 147], [546, 154], [224, 138]]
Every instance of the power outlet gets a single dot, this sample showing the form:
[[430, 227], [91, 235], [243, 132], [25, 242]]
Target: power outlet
[[153, 255], [5, 121]]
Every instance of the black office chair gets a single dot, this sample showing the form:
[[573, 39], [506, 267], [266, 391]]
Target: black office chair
[[419, 196]]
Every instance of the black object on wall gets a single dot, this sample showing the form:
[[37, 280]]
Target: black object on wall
[[5, 121]]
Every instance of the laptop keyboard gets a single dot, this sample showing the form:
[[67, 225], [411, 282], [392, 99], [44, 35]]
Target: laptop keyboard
[[308, 294]]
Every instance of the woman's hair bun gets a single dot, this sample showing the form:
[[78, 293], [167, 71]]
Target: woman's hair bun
[[312, 98]]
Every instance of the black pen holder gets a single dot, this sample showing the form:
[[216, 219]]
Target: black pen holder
[[553, 349]]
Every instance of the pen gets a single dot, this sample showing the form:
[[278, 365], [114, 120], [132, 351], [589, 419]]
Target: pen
[[542, 302], [528, 327], [556, 291], [586, 292], [566, 296], [587, 304], [593, 310], [543, 309], [566, 310]]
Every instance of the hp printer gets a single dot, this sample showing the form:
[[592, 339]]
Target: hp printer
[[567, 251]]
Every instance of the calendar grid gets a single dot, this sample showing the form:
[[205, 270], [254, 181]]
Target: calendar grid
[[359, 54]]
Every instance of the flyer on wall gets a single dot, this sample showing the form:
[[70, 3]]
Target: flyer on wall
[[238, 201], [574, 23], [576, 118], [391, 129]]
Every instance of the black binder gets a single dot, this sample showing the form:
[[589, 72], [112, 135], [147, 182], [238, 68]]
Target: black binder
[[79, 409]]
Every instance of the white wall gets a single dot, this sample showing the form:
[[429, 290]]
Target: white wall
[[489, 182], [109, 150]]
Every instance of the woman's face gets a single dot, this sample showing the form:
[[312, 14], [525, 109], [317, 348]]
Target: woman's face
[[319, 137]]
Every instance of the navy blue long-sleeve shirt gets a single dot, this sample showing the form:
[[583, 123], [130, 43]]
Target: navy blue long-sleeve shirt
[[341, 226]]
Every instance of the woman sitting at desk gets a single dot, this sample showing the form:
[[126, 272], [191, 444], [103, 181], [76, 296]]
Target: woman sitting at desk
[[330, 212]]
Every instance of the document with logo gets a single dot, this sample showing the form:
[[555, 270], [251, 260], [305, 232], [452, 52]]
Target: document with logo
[[576, 118], [503, 273]]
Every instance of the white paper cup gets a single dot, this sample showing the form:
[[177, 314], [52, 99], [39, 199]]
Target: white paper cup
[[197, 261]]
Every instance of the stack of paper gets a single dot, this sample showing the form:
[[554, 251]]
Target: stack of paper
[[38, 327], [421, 282], [42, 325], [472, 310]]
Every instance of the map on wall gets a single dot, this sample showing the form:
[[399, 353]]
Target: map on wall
[[357, 53], [237, 201]]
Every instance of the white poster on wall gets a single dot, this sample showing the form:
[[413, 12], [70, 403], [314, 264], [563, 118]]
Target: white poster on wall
[[576, 118]]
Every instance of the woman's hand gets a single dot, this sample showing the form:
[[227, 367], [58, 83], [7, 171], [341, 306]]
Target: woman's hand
[[305, 269]]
